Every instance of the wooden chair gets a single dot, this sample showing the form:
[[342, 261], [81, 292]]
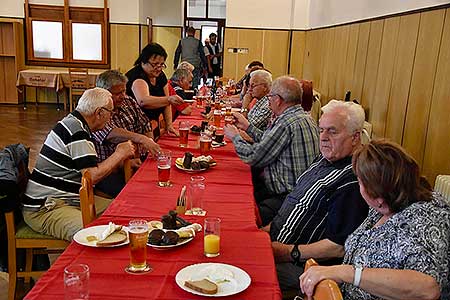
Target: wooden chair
[[327, 289], [78, 83], [87, 201], [21, 236]]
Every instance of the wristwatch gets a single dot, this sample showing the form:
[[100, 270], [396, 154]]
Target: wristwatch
[[357, 276], [296, 255], [244, 110]]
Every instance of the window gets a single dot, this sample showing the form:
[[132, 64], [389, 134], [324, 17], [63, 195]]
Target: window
[[67, 36], [205, 9]]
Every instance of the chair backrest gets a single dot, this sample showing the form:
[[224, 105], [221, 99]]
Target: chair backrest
[[87, 201], [326, 289], [79, 78]]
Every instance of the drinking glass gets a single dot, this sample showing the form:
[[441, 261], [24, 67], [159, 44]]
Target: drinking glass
[[164, 159], [205, 143], [211, 237], [76, 282], [183, 129], [195, 194], [219, 134], [217, 117], [138, 235]]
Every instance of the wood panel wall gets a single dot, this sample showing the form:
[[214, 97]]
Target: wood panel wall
[[398, 68], [269, 46]]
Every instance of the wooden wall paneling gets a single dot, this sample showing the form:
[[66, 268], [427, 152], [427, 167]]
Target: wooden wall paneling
[[7, 34], [168, 37], [351, 58], [252, 39], [437, 159], [10, 80], [360, 61], [298, 48], [124, 46], [333, 61], [230, 69], [275, 51], [144, 37], [401, 78], [328, 73], [384, 76], [417, 115], [3, 82], [312, 58], [371, 71], [341, 40]]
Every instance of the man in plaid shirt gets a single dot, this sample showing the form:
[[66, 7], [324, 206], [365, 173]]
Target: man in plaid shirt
[[127, 123], [260, 114], [284, 150]]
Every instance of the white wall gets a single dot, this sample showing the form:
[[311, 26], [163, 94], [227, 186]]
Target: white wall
[[163, 12], [12, 8], [300, 16], [332, 12]]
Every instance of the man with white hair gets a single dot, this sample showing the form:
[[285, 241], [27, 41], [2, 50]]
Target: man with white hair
[[325, 205], [260, 84], [52, 200]]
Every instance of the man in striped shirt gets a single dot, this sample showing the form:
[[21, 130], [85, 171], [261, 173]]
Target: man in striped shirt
[[325, 205], [284, 150], [51, 204]]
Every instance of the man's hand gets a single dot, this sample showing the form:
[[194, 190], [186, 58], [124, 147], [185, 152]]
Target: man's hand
[[230, 131], [171, 130], [240, 121], [149, 144], [175, 100], [187, 110], [125, 149], [135, 163]]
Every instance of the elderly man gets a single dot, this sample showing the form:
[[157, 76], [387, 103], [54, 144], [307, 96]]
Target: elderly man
[[260, 84], [128, 122], [284, 150], [181, 80], [51, 204], [325, 205]]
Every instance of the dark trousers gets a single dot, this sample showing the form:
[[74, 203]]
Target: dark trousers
[[216, 71], [113, 184]]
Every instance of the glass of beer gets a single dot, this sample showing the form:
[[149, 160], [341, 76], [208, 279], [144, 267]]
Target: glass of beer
[[229, 120], [219, 134], [217, 117], [183, 129], [228, 108], [164, 159], [212, 237], [205, 143], [138, 235]]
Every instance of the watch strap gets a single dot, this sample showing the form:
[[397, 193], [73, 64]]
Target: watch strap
[[357, 276]]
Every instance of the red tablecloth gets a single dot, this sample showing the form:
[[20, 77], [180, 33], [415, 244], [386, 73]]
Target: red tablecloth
[[228, 195]]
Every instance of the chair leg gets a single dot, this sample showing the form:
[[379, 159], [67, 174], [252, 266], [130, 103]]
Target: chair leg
[[70, 100], [12, 270], [28, 264]]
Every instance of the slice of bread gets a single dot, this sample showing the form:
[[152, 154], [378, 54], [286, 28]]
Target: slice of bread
[[113, 239], [203, 286]]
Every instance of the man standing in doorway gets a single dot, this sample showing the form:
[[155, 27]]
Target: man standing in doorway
[[213, 52], [191, 50]]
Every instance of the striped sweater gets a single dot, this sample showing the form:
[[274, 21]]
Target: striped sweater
[[67, 150]]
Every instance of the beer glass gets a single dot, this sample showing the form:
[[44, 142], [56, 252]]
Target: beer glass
[[228, 108], [211, 239], [229, 120], [205, 143], [138, 234], [219, 136], [183, 129], [195, 194], [76, 282], [164, 159], [217, 117]]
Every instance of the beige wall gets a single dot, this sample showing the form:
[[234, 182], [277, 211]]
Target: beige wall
[[398, 68]]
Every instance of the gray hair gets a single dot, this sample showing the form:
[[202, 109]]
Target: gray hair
[[288, 88], [353, 112], [179, 74], [110, 78], [186, 65], [93, 99], [264, 76]]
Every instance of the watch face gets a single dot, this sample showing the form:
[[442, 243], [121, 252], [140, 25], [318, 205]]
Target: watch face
[[295, 253]]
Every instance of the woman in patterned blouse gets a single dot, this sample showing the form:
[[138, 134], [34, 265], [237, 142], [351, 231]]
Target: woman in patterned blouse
[[401, 251]]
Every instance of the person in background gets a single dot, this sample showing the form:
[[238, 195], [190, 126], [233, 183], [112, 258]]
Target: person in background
[[284, 150], [181, 80], [307, 100], [147, 83], [260, 113], [52, 201], [213, 53], [190, 49], [401, 251], [127, 123], [325, 205]]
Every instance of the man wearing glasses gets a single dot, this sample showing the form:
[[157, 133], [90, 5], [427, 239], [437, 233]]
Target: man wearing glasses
[[127, 123], [52, 201], [283, 151]]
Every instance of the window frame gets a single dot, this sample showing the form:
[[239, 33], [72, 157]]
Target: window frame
[[67, 16]]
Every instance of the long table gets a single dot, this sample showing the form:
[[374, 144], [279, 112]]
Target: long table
[[228, 195]]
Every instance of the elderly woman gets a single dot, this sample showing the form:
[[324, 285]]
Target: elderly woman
[[147, 83], [401, 251]]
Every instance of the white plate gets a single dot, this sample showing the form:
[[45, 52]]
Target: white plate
[[237, 284], [215, 144], [80, 236], [190, 170], [189, 100], [184, 241]]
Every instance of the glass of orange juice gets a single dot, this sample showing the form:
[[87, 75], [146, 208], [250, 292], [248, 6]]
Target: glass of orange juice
[[212, 237]]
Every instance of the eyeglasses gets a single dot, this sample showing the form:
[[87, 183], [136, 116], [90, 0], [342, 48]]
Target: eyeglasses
[[272, 95], [112, 112], [252, 86], [157, 66]]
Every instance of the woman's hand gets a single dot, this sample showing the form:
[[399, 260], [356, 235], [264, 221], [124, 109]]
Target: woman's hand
[[311, 277], [175, 100]]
